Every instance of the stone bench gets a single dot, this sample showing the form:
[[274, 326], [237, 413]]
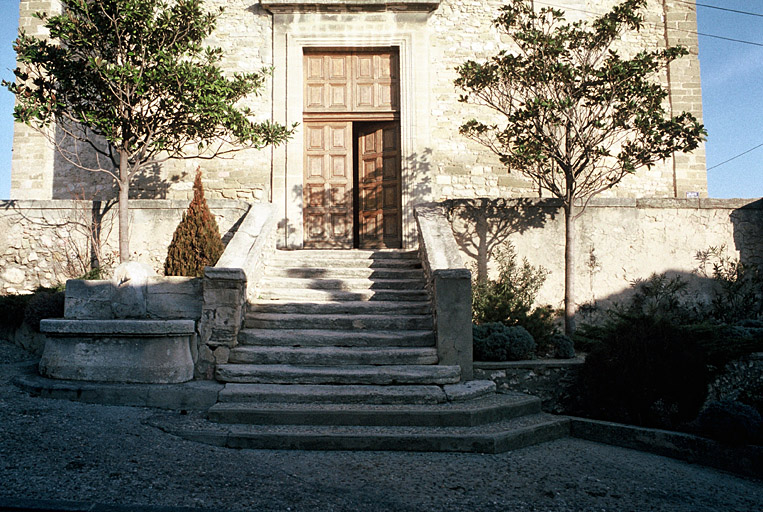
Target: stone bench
[[139, 351]]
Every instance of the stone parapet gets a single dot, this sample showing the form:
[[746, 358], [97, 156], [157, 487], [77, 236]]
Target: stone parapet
[[450, 286]]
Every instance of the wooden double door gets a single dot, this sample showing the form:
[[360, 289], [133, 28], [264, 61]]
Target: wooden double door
[[352, 185], [352, 167]]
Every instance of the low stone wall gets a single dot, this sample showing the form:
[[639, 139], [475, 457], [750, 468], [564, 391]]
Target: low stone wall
[[450, 287], [44, 243], [551, 380], [618, 240]]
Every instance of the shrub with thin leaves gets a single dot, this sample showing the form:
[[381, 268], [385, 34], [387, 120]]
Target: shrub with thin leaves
[[509, 299], [196, 243]]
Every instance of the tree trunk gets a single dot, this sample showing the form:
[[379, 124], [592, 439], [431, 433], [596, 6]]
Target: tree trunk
[[124, 212], [569, 269]]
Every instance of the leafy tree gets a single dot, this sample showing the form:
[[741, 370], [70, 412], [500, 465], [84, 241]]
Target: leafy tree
[[577, 117], [132, 82], [196, 243]]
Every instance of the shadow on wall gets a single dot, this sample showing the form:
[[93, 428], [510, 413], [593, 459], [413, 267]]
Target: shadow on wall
[[748, 232], [480, 226], [74, 177]]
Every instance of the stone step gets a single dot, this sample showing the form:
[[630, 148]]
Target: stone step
[[346, 284], [343, 322], [479, 411], [498, 437], [281, 293], [316, 272], [341, 307], [350, 374], [310, 262], [352, 254], [332, 356], [354, 394], [324, 337]]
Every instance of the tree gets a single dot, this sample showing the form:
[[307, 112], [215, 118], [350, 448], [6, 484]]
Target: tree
[[196, 243], [577, 117], [131, 81]]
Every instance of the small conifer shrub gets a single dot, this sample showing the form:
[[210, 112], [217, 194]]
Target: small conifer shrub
[[196, 242]]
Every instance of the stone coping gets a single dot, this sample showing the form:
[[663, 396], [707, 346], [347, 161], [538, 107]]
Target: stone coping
[[135, 204], [708, 203], [59, 327], [528, 364], [745, 459]]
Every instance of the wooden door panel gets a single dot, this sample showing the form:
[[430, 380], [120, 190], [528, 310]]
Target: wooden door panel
[[379, 185], [328, 185]]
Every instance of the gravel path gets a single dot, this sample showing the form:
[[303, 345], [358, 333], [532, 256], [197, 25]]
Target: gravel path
[[59, 450]]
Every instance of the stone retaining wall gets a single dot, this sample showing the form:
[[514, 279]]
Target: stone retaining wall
[[618, 240], [43, 243], [551, 380]]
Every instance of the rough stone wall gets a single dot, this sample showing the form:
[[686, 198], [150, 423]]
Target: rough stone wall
[[38, 172], [551, 380], [462, 30], [457, 30], [43, 243], [618, 240]]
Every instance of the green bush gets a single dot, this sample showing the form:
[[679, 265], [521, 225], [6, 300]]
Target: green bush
[[738, 294], [730, 422], [510, 298], [564, 347], [44, 303], [648, 373], [496, 342], [12, 310], [196, 242]]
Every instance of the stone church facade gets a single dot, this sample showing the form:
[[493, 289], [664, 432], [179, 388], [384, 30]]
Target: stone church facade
[[370, 83]]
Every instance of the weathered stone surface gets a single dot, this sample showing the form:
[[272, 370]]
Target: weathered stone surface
[[130, 289], [286, 374], [114, 358], [89, 299], [63, 327], [553, 381], [327, 393], [468, 390], [449, 283]]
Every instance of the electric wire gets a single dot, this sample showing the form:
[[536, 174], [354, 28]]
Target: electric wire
[[735, 157], [742, 41]]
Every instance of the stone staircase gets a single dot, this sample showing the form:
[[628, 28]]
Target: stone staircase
[[338, 352]]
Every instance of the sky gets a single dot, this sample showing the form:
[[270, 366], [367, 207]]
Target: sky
[[732, 95]]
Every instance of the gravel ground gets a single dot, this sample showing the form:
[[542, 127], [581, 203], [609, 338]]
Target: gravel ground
[[59, 450]]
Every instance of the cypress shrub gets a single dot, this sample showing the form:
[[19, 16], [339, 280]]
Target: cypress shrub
[[196, 242]]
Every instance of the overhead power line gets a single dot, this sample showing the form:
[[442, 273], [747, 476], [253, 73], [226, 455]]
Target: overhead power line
[[735, 157], [742, 41], [747, 13]]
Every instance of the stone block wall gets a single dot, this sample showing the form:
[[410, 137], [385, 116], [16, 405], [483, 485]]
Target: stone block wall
[[618, 240], [441, 163], [45, 242]]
